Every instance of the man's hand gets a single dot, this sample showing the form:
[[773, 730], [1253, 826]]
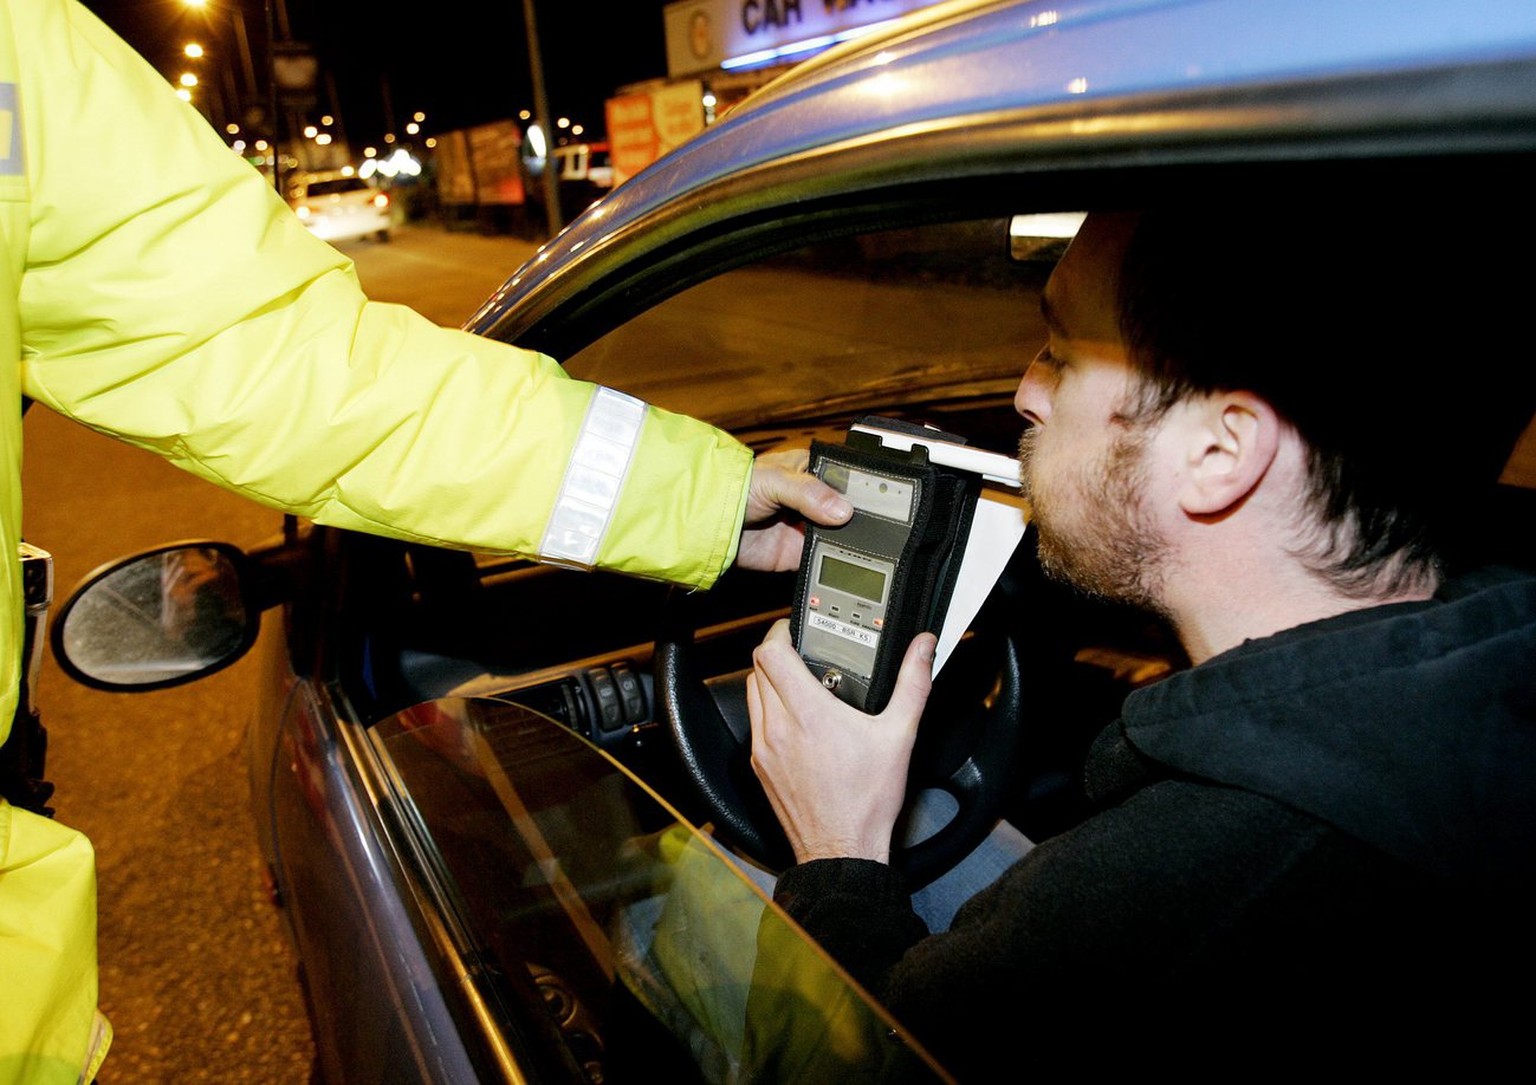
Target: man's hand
[[836, 777], [781, 482]]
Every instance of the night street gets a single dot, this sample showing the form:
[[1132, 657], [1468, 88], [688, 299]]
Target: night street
[[570, 728]]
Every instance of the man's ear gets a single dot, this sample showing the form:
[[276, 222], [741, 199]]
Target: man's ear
[[1230, 442]]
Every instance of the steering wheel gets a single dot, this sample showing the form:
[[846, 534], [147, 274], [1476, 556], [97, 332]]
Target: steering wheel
[[966, 745]]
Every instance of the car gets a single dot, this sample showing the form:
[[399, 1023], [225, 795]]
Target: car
[[507, 805], [587, 167], [338, 205]]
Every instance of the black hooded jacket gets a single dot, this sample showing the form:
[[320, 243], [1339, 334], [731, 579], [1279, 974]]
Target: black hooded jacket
[[1325, 837]]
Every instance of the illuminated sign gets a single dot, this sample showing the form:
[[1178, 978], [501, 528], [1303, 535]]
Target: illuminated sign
[[706, 35], [646, 125]]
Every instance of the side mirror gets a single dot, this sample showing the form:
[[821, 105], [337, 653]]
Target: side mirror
[[160, 618]]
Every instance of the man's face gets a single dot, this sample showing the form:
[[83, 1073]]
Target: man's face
[[1084, 460]]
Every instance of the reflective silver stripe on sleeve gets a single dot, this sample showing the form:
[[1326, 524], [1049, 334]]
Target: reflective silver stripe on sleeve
[[593, 479]]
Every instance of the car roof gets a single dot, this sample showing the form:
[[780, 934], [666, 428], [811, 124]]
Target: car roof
[[969, 51], [1006, 87]]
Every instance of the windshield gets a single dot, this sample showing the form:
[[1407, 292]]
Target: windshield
[[897, 318], [577, 898]]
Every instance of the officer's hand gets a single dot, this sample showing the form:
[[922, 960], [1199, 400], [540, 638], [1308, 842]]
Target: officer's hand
[[836, 777], [771, 541]]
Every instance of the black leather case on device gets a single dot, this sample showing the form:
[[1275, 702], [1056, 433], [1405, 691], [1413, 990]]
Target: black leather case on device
[[926, 550]]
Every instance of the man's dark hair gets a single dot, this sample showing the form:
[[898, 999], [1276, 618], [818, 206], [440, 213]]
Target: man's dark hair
[[1400, 354]]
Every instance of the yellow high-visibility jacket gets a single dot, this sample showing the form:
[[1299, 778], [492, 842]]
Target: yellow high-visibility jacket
[[155, 287]]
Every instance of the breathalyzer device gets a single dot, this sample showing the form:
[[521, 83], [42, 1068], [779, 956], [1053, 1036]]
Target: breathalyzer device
[[868, 586]]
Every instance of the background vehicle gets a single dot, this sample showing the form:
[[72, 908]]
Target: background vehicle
[[340, 206], [586, 174], [455, 869]]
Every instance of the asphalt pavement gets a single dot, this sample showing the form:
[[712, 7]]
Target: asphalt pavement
[[197, 975]]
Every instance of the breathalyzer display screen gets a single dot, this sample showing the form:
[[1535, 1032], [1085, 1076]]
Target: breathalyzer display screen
[[852, 572], [859, 580]]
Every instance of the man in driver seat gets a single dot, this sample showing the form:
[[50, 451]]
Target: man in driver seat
[[1323, 832]]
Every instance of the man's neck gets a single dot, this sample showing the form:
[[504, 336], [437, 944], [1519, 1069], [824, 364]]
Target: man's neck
[[1213, 613]]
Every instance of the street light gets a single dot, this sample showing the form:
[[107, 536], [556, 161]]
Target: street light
[[208, 99], [246, 103], [237, 18]]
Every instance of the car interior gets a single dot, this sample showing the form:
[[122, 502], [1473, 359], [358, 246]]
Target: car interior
[[418, 629], [444, 623], [921, 316]]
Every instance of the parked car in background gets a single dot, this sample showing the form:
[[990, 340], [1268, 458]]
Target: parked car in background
[[338, 205], [495, 863], [586, 174]]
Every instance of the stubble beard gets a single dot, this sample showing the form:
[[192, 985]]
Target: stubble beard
[[1105, 547]]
